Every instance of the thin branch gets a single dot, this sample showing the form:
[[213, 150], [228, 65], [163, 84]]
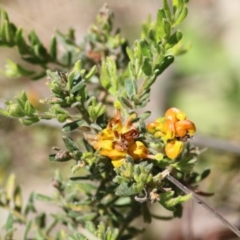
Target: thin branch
[[216, 143], [204, 204]]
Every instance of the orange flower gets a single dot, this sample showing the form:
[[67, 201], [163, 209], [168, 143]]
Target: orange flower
[[185, 128], [118, 140], [173, 129]]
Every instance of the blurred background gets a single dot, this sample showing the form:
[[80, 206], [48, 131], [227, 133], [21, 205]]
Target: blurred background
[[205, 83]]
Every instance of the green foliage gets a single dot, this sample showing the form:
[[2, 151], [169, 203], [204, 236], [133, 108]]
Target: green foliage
[[99, 201]]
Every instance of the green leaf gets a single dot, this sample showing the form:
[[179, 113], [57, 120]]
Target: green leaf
[[173, 40], [145, 48], [78, 87], [4, 32], [64, 157], [125, 102], [160, 31], [33, 38], [29, 109], [43, 198], [40, 221], [23, 98], [14, 70], [53, 48], [22, 46], [167, 10], [5, 113], [29, 121], [130, 53], [108, 76], [186, 164], [171, 203], [18, 202], [72, 125], [151, 35], [147, 66], [181, 16], [96, 126], [27, 229], [86, 217], [39, 75], [92, 72], [167, 28], [145, 115], [125, 190], [203, 175], [167, 61], [130, 87], [10, 187], [9, 226], [96, 111], [30, 205], [177, 7], [70, 144]]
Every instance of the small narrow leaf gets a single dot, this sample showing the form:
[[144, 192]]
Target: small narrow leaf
[[64, 157], [130, 53], [130, 87], [168, 60], [70, 144], [10, 187], [92, 72], [174, 201], [145, 48], [53, 48], [160, 32], [9, 224], [125, 190], [18, 202], [78, 86], [181, 16], [29, 109], [29, 121], [177, 6], [147, 66], [173, 40], [167, 28], [204, 174], [43, 198], [27, 229], [72, 125], [167, 10]]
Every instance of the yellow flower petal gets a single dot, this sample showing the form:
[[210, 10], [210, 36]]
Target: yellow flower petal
[[173, 149], [138, 150], [118, 163]]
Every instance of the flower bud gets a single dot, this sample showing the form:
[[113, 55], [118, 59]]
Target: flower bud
[[184, 128], [151, 127], [15, 110], [175, 114]]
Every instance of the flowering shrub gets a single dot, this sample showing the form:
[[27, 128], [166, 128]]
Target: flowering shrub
[[127, 159]]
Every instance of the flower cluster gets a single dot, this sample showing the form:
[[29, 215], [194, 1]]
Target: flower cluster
[[173, 129], [118, 140]]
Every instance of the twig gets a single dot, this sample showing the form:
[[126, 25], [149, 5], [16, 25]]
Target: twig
[[216, 143], [204, 204]]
